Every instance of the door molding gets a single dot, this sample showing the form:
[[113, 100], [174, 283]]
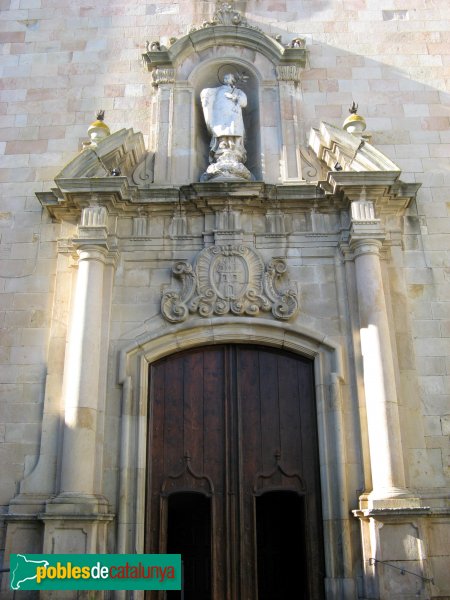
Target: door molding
[[162, 340]]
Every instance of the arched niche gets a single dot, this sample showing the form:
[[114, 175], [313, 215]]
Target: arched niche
[[207, 74], [179, 138]]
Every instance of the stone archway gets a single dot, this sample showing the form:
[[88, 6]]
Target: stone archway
[[163, 342]]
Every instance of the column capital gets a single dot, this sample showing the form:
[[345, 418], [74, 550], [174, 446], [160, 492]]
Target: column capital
[[366, 238], [90, 250], [360, 246]]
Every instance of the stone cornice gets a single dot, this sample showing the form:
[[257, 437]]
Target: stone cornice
[[88, 179], [214, 34], [400, 512], [66, 202], [383, 188]]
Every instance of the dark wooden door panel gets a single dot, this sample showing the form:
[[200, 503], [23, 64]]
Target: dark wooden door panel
[[235, 423]]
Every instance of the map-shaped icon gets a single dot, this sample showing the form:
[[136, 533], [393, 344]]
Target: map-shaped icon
[[25, 570]]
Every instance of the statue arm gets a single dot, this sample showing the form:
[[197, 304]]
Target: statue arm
[[207, 99], [242, 99]]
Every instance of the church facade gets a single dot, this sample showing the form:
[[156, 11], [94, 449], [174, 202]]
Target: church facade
[[226, 307]]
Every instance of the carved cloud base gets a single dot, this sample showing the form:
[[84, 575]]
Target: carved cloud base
[[228, 167]]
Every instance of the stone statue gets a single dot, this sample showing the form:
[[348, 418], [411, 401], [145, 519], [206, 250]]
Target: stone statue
[[222, 109]]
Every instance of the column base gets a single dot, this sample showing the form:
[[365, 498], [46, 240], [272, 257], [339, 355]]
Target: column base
[[395, 566], [24, 535], [27, 504], [389, 498], [74, 503], [76, 524]]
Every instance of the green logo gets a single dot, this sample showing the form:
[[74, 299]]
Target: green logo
[[95, 571]]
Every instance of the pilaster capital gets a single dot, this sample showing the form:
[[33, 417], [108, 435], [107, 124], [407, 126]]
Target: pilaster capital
[[288, 73], [366, 238], [98, 252], [163, 75], [363, 245]]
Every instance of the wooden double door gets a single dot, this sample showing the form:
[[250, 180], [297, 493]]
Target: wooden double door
[[233, 481]]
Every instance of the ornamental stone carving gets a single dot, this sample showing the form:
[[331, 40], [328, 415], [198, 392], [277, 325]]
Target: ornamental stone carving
[[222, 109], [229, 279], [93, 216], [288, 73], [163, 75], [225, 15]]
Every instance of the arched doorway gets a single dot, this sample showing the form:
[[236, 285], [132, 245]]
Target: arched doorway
[[233, 427]]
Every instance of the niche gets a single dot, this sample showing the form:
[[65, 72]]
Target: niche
[[209, 75]]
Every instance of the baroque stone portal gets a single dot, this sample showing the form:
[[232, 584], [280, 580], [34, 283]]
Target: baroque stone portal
[[222, 109], [228, 279]]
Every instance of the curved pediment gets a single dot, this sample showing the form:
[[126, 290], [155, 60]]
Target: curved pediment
[[227, 28]]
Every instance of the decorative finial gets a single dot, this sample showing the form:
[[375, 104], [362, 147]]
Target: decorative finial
[[155, 46], [354, 123], [297, 43], [98, 130]]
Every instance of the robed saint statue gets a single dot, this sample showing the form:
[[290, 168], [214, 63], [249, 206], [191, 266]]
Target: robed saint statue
[[222, 109]]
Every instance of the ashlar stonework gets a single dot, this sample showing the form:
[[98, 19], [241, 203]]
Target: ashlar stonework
[[331, 254]]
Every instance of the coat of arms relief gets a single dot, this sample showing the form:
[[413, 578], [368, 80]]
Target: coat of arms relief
[[229, 279]]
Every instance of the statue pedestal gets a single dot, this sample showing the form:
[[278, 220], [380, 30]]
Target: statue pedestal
[[228, 167]]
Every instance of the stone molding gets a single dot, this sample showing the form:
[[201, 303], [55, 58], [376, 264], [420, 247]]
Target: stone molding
[[288, 73], [162, 75], [161, 339], [83, 183], [227, 28], [228, 279]]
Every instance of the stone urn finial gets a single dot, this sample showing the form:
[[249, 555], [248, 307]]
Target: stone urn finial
[[354, 123], [98, 130]]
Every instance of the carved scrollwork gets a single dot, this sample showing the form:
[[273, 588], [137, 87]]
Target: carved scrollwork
[[174, 303], [163, 75], [284, 303], [288, 73], [228, 279], [226, 14]]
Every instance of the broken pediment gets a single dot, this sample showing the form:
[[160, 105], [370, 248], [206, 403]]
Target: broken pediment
[[117, 154], [343, 151]]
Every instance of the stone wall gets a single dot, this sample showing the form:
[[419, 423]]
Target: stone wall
[[63, 60]]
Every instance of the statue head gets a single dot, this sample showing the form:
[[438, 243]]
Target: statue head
[[229, 79]]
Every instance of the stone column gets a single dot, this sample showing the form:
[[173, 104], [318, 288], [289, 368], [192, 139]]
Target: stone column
[[75, 520], [388, 475], [82, 375]]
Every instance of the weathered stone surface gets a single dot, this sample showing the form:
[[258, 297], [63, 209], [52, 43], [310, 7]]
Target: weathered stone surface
[[62, 62]]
